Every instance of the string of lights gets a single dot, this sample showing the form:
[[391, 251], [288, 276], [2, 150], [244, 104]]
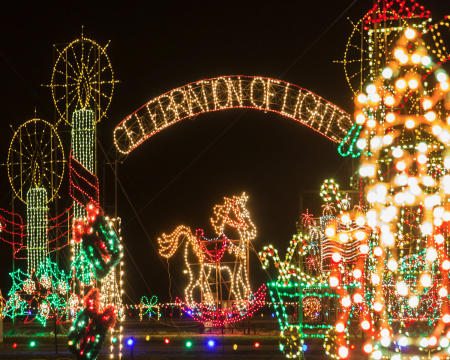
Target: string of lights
[[218, 267], [404, 114], [231, 92]]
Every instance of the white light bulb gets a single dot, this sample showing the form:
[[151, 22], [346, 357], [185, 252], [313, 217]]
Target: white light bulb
[[375, 278], [392, 265], [443, 292], [388, 239], [426, 61], [431, 255], [403, 341], [371, 89], [427, 180], [387, 73], [422, 147], [413, 301], [385, 341], [397, 152], [410, 33], [426, 280], [402, 288], [377, 306], [426, 228], [361, 144], [375, 142]]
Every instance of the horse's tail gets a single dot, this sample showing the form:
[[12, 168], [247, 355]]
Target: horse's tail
[[168, 244]]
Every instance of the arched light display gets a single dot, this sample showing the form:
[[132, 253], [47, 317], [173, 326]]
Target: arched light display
[[232, 92]]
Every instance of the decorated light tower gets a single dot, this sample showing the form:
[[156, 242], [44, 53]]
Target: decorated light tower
[[407, 134], [404, 117], [400, 133]]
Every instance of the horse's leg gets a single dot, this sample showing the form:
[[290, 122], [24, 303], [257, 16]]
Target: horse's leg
[[207, 287], [242, 282], [190, 288], [239, 283], [202, 283]]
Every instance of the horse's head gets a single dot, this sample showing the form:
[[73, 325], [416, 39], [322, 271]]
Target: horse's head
[[233, 213]]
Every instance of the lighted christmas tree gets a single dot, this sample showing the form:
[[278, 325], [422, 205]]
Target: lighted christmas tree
[[405, 134]]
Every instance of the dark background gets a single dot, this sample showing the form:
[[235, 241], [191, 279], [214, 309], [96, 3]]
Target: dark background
[[179, 175]]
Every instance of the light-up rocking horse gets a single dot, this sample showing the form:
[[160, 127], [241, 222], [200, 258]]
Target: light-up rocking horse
[[218, 292]]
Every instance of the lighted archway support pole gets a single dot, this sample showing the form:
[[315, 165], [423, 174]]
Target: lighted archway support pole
[[232, 92]]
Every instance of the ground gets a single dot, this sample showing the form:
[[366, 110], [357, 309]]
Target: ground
[[149, 337]]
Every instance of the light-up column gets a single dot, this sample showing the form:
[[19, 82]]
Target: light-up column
[[83, 135], [36, 228]]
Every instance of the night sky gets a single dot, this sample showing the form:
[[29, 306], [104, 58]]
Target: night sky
[[178, 175]]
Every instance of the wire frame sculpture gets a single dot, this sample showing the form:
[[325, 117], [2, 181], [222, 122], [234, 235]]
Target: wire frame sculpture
[[35, 159], [218, 292], [82, 78], [368, 47]]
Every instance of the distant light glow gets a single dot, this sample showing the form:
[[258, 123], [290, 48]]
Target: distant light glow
[[211, 343]]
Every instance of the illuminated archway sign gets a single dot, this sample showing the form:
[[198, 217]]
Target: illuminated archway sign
[[232, 92]]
